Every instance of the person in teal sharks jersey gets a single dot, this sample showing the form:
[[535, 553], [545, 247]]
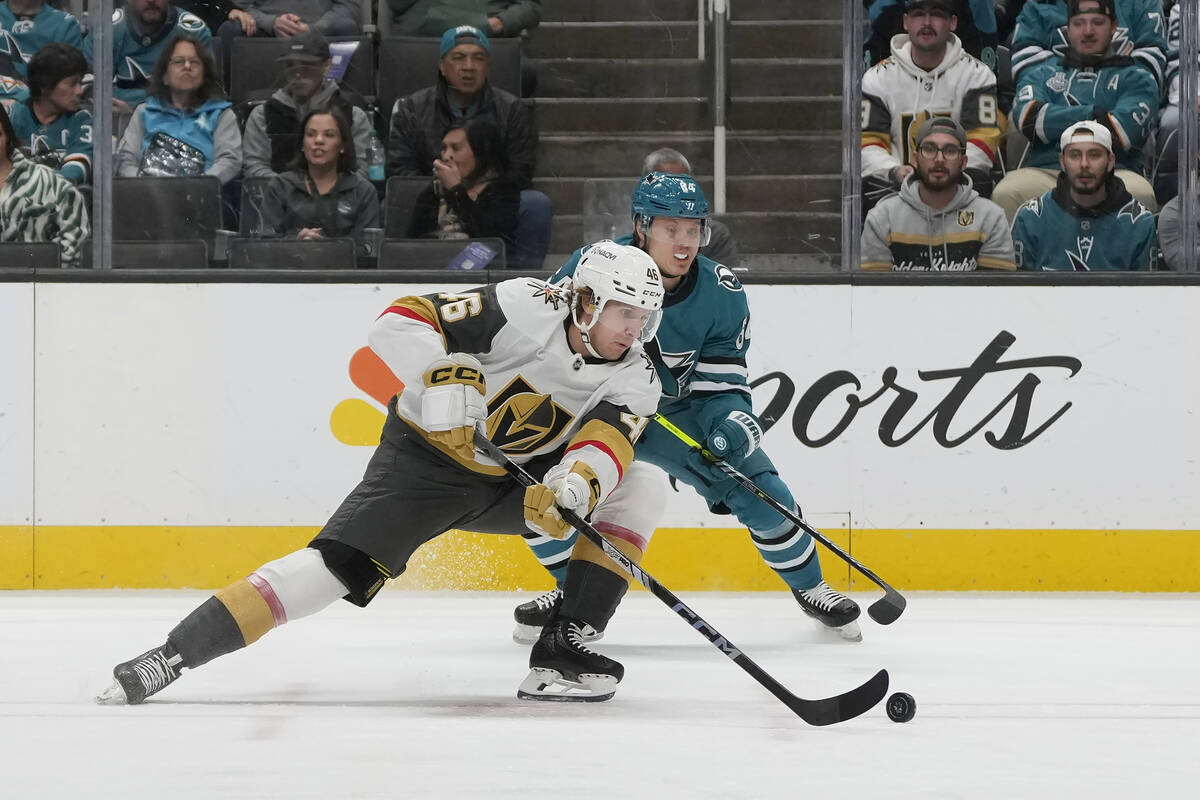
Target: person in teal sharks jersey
[[702, 343]]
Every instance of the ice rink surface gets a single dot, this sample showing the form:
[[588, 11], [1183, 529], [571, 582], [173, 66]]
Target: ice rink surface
[[1018, 695]]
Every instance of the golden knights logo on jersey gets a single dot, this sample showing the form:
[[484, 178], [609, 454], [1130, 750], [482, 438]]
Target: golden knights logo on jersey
[[551, 295], [521, 419]]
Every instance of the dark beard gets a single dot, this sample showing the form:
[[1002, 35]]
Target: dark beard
[[937, 184]]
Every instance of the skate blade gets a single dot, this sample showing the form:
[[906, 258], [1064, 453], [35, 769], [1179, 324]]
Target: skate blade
[[114, 695], [549, 684], [529, 634], [526, 634], [850, 632]]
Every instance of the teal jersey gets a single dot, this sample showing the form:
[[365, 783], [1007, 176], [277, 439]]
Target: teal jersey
[[702, 341], [21, 38], [1052, 233], [134, 54], [64, 145]]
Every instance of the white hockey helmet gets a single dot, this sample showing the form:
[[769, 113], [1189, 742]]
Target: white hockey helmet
[[620, 273]]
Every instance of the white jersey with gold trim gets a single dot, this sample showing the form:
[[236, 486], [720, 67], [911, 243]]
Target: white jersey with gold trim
[[540, 393]]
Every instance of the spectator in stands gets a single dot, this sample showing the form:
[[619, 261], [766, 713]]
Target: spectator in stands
[[1088, 221], [937, 222], [141, 31], [28, 25], [472, 195], [1170, 236], [506, 18], [1166, 176], [285, 18], [323, 195], [976, 28], [721, 246], [1089, 83], [1042, 35], [57, 132], [186, 126], [216, 12], [37, 204], [928, 75], [271, 137], [462, 91]]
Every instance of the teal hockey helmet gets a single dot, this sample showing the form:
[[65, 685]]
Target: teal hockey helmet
[[662, 194]]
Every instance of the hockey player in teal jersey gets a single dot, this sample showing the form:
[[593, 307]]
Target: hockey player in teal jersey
[[27, 26], [703, 338], [140, 31], [50, 123]]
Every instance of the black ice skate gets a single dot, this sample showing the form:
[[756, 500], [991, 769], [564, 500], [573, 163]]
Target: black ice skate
[[832, 609], [539, 612], [137, 679], [562, 668]]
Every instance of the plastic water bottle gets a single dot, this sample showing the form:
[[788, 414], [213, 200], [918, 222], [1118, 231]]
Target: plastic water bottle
[[375, 158]]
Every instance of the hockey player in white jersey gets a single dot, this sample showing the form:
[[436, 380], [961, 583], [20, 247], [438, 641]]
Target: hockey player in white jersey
[[560, 381]]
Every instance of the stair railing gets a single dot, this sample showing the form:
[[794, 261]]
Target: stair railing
[[718, 14], [852, 27], [1189, 22]]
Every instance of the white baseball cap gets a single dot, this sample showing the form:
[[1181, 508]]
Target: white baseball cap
[[1086, 131]]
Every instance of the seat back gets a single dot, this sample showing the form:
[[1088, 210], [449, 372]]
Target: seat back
[[29, 255], [400, 198], [153, 209], [292, 254], [162, 254], [410, 63], [606, 212], [255, 74], [435, 253], [254, 192]]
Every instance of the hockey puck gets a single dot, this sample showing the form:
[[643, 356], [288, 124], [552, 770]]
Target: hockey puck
[[901, 707]]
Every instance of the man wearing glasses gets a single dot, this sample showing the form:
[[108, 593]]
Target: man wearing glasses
[[928, 75], [938, 222]]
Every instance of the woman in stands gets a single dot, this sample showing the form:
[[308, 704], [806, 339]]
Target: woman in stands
[[36, 203], [471, 195], [186, 127], [323, 195]]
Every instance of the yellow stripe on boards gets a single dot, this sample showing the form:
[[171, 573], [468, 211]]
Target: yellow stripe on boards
[[683, 559], [16, 556]]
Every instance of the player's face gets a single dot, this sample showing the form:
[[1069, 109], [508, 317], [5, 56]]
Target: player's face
[[303, 80], [929, 27], [65, 95], [185, 69], [457, 149], [938, 161], [150, 12], [673, 243], [1090, 34], [617, 328], [465, 68], [1086, 165], [322, 140]]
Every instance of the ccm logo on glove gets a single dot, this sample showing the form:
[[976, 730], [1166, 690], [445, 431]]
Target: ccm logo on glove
[[453, 403]]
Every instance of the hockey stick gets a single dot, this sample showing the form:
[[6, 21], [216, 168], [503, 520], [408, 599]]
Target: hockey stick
[[825, 711], [885, 610]]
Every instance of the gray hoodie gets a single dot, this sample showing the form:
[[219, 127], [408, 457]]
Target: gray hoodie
[[903, 233], [256, 144]]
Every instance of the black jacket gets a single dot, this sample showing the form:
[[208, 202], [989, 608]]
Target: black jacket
[[290, 205], [420, 120], [493, 213]]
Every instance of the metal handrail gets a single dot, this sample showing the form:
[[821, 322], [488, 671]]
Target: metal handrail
[[1189, 47], [852, 25], [720, 10]]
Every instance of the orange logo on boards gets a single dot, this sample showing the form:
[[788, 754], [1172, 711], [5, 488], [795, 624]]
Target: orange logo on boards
[[355, 421]]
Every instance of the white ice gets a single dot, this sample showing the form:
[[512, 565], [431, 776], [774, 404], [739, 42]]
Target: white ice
[[1018, 696]]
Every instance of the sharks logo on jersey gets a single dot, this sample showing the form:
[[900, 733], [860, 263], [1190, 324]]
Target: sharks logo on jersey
[[727, 279], [681, 365], [1083, 249]]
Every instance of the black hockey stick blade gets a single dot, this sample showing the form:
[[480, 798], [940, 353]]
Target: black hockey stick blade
[[888, 608], [825, 711]]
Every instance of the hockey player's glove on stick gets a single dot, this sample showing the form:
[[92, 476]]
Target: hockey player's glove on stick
[[825, 711], [885, 610]]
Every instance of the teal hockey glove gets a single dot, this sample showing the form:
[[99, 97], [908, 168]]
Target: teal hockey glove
[[735, 438]]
